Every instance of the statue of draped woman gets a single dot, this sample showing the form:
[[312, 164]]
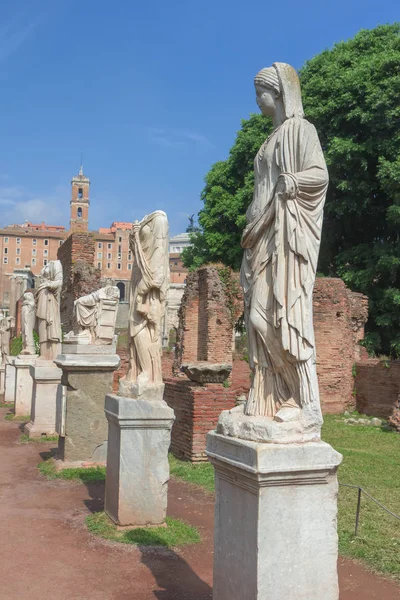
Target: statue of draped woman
[[28, 318], [48, 309], [281, 244], [5, 326], [149, 284]]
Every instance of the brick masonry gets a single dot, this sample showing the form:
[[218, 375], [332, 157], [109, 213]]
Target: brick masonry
[[80, 275], [377, 387]]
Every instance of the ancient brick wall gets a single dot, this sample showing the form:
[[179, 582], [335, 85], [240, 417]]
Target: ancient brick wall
[[80, 276], [377, 386], [207, 315]]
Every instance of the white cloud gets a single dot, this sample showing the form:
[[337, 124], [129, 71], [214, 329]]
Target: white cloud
[[23, 205], [14, 33]]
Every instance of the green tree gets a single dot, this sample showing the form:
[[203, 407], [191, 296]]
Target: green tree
[[352, 95]]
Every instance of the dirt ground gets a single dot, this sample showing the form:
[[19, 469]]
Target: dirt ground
[[47, 552]]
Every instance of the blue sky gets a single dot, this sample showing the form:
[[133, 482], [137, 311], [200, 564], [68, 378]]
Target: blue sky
[[152, 92]]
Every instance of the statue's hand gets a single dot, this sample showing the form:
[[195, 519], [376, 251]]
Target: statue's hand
[[286, 187]]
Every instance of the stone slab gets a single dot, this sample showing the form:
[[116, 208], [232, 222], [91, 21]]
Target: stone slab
[[81, 422], [9, 387], [72, 348], [139, 435], [23, 384], [141, 391], [46, 385], [2, 379], [275, 520]]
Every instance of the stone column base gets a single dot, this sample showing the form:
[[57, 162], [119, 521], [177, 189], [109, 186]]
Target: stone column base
[[23, 384], [139, 435], [2, 381], [46, 383], [9, 386], [275, 520]]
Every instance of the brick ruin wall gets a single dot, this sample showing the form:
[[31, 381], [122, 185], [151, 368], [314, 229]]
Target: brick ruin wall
[[377, 387], [80, 276]]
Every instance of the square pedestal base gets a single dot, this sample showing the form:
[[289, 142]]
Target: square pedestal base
[[139, 435], [9, 391], [2, 381], [46, 385], [23, 384], [275, 520]]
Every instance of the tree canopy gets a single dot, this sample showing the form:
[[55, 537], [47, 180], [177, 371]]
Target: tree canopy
[[352, 95]]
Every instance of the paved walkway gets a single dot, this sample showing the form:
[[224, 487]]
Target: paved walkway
[[47, 552]]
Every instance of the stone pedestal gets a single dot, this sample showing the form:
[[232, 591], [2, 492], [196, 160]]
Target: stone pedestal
[[81, 422], [46, 385], [9, 387], [139, 435], [23, 383], [2, 381], [275, 520]]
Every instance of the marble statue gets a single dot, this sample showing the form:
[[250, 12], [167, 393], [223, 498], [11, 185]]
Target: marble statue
[[95, 315], [5, 325], [149, 285], [48, 309], [281, 244], [28, 318]]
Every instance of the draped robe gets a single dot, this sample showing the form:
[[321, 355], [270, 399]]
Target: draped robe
[[48, 309], [281, 245], [149, 283]]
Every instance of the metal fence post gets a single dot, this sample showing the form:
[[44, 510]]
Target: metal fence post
[[358, 510]]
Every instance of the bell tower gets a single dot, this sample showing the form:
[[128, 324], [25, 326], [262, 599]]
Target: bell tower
[[79, 216]]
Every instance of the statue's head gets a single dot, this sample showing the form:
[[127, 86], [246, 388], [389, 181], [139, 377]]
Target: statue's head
[[112, 292], [29, 297], [279, 84]]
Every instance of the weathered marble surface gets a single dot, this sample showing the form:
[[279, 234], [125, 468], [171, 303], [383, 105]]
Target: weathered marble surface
[[95, 316], [205, 372], [23, 384], [81, 422], [5, 326], [46, 385], [139, 435], [275, 520], [149, 285], [281, 244], [28, 318], [47, 297], [9, 391]]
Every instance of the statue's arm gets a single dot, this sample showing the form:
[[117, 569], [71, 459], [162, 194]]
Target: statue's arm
[[256, 228]]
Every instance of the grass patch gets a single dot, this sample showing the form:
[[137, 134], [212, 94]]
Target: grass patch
[[7, 405], [20, 418], [177, 533], [25, 439], [371, 460], [89, 475], [198, 473]]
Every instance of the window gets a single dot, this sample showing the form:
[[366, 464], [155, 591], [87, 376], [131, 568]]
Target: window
[[45, 252], [80, 195], [129, 255], [45, 262], [46, 242], [34, 242], [120, 239], [34, 251], [33, 262], [99, 255], [119, 266], [18, 251], [17, 260], [175, 263], [120, 249], [99, 265], [109, 256], [18, 240], [5, 250], [5, 260], [119, 256], [109, 246], [100, 245], [129, 267], [60, 242], [108, 265], [79, 212], [6, 240]]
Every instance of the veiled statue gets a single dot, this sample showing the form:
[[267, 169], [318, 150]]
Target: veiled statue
[[95, 317], [281, 244], [48, 309], [5, 326], [28, 318], [150, 278]]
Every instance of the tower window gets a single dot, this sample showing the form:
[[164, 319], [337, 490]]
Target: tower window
[[80, 193], [79, 213]]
